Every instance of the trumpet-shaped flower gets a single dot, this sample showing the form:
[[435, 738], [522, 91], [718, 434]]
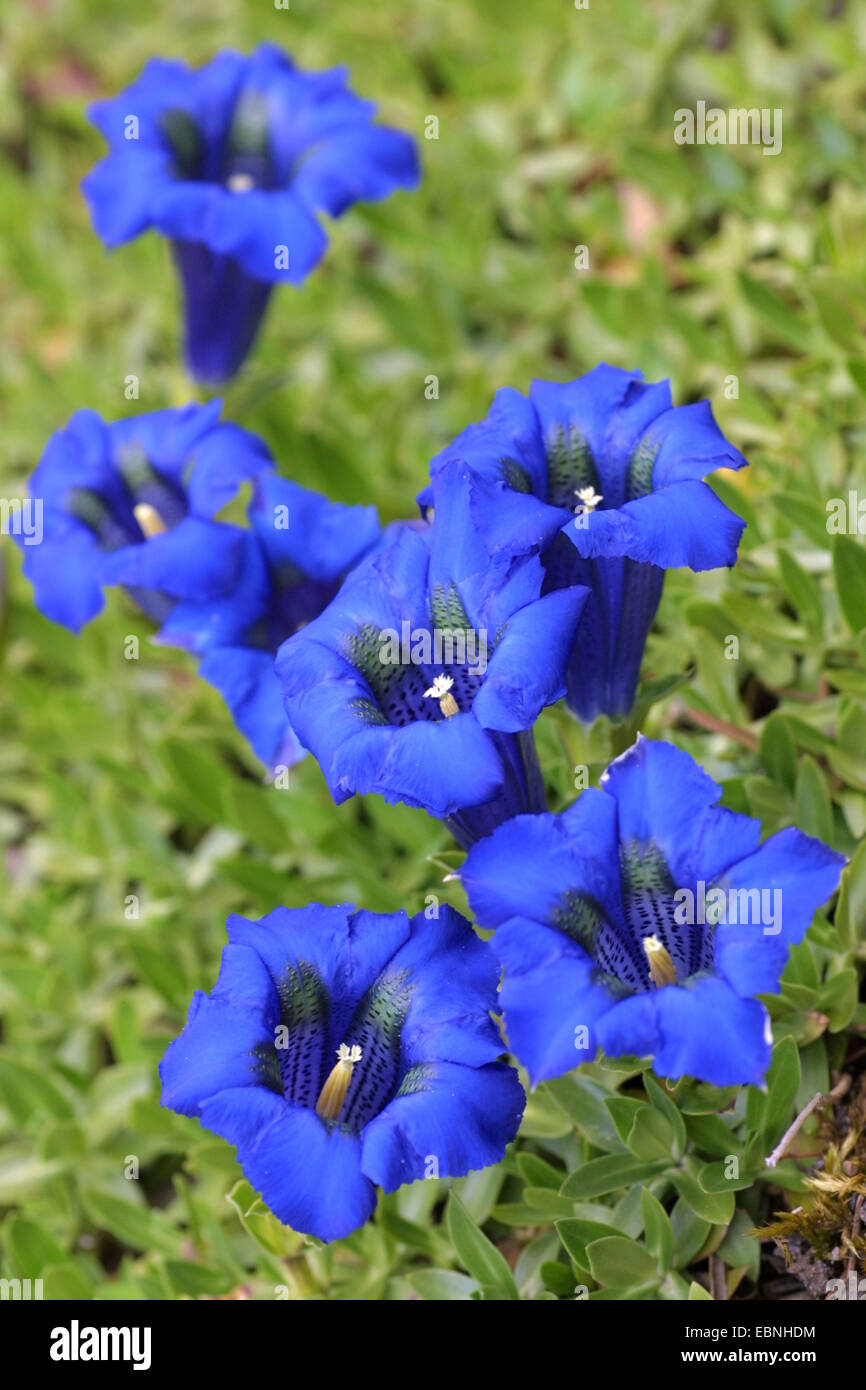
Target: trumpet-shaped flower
[[645, 920], [602, 477], [131, 502], [295, 556], [423, 678], [233, 162], [340, 1051]]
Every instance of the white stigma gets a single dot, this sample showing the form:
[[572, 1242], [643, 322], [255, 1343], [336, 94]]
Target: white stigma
[[587, 499], [240, 183], [441, 690], [351, 1055]]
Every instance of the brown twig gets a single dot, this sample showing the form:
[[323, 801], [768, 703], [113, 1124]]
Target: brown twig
[[721, 726]]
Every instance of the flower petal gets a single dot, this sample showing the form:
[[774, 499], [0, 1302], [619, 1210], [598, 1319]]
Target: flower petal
[[703, 1029], [457, 1119]]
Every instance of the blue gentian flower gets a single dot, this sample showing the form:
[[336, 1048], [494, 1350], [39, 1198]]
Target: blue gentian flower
[[295, 556], [131, 502], [645, 920], [233, 162], [423, 678], [343, 1050], [603, 477]]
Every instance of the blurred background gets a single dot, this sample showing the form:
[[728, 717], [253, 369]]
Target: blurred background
[[132, 815]]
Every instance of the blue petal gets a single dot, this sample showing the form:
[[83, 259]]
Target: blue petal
[[322, 539], [460, 1119], [363, 162], [510, 433], [454, 977], [225, 620], [804, 873], [219, 463], [703, 1029], [308, 1173], [225, 1035], [252, 228], [248, 683], [594, 407], [347, 949], [690, 445], [684, 524], [65, 574], [664, 797], [530, 865], [196, 560], [551, 998], [510, 522], [528, 667], [440, 766]]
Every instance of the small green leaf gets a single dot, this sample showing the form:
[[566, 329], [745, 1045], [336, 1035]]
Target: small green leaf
[[658, 1231], [442, 1285], [607, 1174], [716, 1207], [621, 1263], [476, 1253], [849, 569], [783, 1081]]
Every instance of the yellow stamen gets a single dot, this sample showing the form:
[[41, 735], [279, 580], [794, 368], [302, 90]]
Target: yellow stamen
[[662, 970], [441, 690], [149, 519], [333, 1093]]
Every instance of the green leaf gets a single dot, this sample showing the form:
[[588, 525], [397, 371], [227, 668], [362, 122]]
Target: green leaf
[[802, 589], [651, 1136], [849, 569], [584, 1102], [783, 1081], [31, 1246], [851, 907], [476, 1253], [607, 1174], [838, 999], [777, 751], [442, 1285], [739, 1249], [196, 1280], [716, 1207], [260, 1223], [621, 1263], [658, 1231], [698, 1294], [814, 807], [134, 1225], [713, 1176], [577, 1233], [660, 1098]]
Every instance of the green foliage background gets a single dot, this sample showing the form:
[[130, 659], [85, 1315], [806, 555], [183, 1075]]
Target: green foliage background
[[122, 777]]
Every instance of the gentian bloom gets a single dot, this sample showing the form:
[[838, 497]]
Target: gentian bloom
[[423, 678], [233, 162], [645, 920], [131, 502], [340, 1050], [602, 477], [295, 556]]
